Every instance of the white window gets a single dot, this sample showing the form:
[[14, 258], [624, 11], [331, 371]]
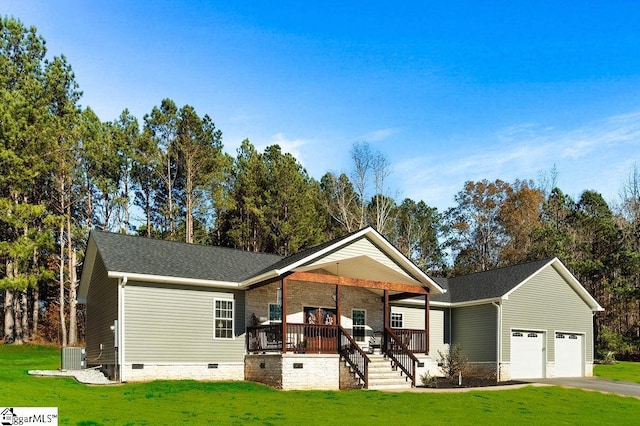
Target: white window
[[397, 320], [359, 317], [275, 312], [223, 319]]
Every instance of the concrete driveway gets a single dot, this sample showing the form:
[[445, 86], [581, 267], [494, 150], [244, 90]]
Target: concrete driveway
[[595, 384]]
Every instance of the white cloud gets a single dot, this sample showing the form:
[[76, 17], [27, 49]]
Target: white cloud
[[517, 131], [589, 157], [291, 146], [609, 133], [378, 135]]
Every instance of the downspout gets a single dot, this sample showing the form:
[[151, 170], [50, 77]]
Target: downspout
[[450, 331], [122, 283], [498, 339], [594, 334]]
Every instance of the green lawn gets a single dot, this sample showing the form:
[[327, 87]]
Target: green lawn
[[190, 403], [622, 371]]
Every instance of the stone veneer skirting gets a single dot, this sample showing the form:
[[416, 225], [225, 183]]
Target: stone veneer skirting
[[174, 371], [294, 371]]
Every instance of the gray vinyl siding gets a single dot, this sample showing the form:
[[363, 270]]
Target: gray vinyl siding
[[548, 303], [413, 317], [475, 329], [172, 323], [102, 311]]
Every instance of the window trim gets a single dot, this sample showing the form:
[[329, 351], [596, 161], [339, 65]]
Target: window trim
[[233, 318], [274, 321], [364, 326], [391, 320]]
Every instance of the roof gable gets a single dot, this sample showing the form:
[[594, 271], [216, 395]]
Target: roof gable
[[320, 255], [570, 280], [492, 284], [500, 283]]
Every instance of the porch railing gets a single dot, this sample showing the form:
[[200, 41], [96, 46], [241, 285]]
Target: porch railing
[[301, 338], [415, 340], [312, 338], [264, 338], [354, 355], [400, 354]]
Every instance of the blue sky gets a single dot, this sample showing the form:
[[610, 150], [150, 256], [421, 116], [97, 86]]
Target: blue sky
[[447, 91]]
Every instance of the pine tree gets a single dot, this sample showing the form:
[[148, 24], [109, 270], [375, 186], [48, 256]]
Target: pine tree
[[161, 127], [202, 167], [33, 97]]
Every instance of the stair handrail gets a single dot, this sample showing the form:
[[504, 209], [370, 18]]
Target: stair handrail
[[354, 355], [404, 358]]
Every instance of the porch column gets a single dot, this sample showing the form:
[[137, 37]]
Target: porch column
[[427, 298], [387, 322], [284, 314], [338, 303]]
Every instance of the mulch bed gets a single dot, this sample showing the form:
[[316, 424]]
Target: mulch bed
[[470, 382]]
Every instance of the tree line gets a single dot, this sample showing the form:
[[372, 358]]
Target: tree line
[[65, 172]]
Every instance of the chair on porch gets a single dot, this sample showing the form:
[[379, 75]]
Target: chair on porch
[[375, 342], [406, 340]]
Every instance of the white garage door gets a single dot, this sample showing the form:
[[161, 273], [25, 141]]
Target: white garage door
[[527, 354], [569, 351]]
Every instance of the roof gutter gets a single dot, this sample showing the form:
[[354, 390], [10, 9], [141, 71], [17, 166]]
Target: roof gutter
[[170, 280], [275, 273], [412, 301]]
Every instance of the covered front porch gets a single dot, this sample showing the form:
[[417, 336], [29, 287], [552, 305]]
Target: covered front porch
[[313, 315]]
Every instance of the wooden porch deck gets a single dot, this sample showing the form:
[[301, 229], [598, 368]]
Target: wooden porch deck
[[399, 345]]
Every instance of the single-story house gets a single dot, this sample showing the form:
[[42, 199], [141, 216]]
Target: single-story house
[[352, 312]]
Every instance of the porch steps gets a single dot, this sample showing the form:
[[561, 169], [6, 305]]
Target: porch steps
[[382, 376]]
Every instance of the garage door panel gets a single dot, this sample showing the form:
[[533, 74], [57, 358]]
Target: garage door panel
[[569, 353], [527, 354]]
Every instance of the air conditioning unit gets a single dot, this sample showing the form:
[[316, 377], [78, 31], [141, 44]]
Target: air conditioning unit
[[73, 358]]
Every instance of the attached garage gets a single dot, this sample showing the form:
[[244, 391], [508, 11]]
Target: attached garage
[[569, 354], [527, 354], [527, 321]]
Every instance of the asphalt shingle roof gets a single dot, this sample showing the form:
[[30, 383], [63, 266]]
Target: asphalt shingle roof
[[140, 255], [486, 285]]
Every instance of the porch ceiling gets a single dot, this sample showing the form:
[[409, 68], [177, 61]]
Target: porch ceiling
[[363, 268]]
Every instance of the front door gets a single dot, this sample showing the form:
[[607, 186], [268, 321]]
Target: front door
[[359, 317], [320, 332]]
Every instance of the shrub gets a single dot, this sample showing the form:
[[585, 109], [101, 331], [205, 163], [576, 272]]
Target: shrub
[[428, 380], [453, 363], [608, 358], [613, 344]]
